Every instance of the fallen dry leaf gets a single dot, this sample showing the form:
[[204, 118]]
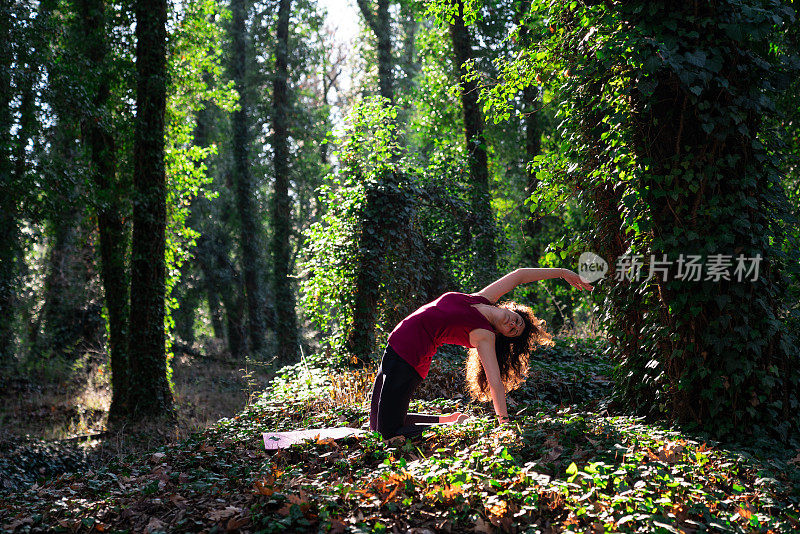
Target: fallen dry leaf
[[337, 527], [17, 523], [236, 523], [481, 525], [554, 454], [224, 513], [497, 510], [178, 500], [153, 525], [263, 487]]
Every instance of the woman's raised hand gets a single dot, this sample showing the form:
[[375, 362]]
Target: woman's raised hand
[[575, 280]]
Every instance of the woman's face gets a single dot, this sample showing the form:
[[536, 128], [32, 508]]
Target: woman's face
[[510, 324]]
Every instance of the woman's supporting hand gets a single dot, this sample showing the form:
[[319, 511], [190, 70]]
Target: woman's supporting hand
[[575, 280], [503, 419]]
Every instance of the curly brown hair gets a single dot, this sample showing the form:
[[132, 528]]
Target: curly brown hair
[[512, 354]]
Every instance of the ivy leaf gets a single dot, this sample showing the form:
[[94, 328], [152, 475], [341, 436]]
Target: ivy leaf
[[697, 58], [647, 86], [572, 469]]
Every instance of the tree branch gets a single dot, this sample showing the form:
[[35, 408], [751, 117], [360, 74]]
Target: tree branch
[[369, 16]]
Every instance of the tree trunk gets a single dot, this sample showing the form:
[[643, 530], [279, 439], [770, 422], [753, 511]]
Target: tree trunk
[[208, 285], [222, 284], [149, 393], [285, 317], [116, 288], [383, 31], [484, 234], [109, 209], [533, 147], [189, 299], [235, 321], [709, 348], [409, 61], [66, 299], [9, 229], [380, 22], [251, 231], [211, 284], [372, 246], [372, 243], [214, 310]]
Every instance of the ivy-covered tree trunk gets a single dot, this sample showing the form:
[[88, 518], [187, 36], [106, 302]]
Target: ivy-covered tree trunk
[[116, 289], [235, 320], [787, 124], [533, 148], [223, 285], [149, 393], [409, 60], [373, 237], [285, 317], [699, 129], [215, 312], [219, 281], [251, 236], [480, 197], [372, 246], [668, 137], [65, 313], [96, 128], [211, 287], [9, 229]]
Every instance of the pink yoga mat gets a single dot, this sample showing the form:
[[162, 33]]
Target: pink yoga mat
[[281, 440]]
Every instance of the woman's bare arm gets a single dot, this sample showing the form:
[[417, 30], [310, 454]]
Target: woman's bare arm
[[483, 341], [503, 285]]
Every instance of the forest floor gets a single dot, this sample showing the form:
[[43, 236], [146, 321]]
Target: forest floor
[[566, 464], [54, 418]]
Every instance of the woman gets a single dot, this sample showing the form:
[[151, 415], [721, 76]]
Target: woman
[[501, 338]]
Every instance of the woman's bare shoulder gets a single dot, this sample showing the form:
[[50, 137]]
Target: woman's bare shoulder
[[480, 335]]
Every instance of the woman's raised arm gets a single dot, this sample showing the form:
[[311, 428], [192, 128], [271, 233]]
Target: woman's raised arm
[[503, 285]]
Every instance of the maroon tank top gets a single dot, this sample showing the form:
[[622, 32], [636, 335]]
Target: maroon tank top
[[448, 319]]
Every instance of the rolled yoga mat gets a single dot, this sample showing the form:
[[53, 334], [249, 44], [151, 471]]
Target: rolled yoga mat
[[281, 440]]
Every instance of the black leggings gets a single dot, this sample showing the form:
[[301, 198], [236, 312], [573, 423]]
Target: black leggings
[[395, 382]]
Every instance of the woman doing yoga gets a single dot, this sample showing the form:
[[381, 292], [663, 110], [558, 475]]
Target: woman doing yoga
[[500, 338]]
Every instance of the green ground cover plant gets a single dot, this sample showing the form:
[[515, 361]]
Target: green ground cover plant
[[567, 463]]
